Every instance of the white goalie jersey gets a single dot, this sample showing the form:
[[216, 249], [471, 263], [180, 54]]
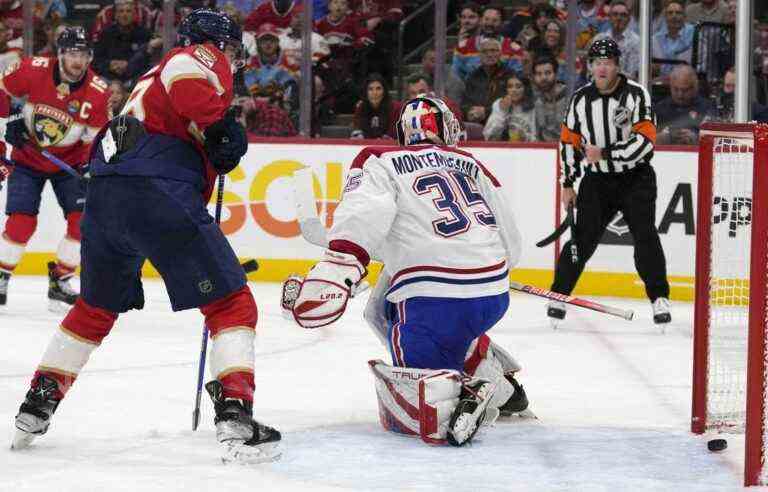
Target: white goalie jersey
[[435, 216]]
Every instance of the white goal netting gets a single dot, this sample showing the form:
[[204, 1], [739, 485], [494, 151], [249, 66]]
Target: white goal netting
[[729, 283]]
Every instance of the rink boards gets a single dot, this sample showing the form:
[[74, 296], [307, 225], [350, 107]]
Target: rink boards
[[259, 217]]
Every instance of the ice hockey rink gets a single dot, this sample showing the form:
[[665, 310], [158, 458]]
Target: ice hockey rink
[[612, 397]]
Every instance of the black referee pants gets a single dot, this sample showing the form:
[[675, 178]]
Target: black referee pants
[[600, 196]]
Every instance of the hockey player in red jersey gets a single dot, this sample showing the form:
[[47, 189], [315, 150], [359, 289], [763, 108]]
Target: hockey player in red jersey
[[443, 227], [152, 171], [66, 105]]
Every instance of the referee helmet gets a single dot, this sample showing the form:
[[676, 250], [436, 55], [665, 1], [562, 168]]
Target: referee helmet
[[604, 48]]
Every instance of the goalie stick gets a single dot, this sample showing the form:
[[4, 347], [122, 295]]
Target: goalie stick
[[575, 301]]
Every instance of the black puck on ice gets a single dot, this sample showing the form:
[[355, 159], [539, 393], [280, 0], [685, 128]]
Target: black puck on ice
[[717, 445]]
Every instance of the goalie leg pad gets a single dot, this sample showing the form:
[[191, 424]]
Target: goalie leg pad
[[486, 359], [416, 402]]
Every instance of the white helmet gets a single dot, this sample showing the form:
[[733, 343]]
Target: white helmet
[[426, 118]]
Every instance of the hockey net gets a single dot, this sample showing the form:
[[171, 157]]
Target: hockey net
[[730, 322]]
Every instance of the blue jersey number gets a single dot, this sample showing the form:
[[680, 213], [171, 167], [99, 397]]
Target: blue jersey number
[[458, 221]]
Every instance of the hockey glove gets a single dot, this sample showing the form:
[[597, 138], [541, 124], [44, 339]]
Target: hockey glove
[[225, 143], [16, 131], [324, 293]]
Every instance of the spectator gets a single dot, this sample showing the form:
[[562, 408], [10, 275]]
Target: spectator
[[243, 7], [485, 84], [119, 42], [676, 42], [322, 109], [140, 16], [376, 114], [85, 12], [706, 11], [8, 56], [552, 43], [454, 86], [466, 57], [267, 75], [469, 20], [342, 30], [527, 17], [117, 96], [628, 41], [50, 32], [592, 18], [266, 118], [726, 101], [346, 38], [550, 99], [381, 18], [375, 13], [148, 55], [681, 114], [275, 12], [532, 34], [290, 44], [513, 117], [421, 84], [11, 13]]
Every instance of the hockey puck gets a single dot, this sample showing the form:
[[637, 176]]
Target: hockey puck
[[716, 445]]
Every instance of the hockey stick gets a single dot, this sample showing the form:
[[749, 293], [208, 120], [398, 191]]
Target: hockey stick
[[559, 231], [312, 230], [594, 306], [204, 343]]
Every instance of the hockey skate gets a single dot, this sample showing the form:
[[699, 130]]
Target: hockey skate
[[470, 413], [517, 404], [5, 278], [35, 412], [556, 313], [661, 312], [61, 295], [243, 440]]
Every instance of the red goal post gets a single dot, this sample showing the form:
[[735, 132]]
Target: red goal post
[[730, 315]]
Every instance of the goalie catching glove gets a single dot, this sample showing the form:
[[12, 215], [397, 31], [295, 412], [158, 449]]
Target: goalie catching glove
[[323, 296]]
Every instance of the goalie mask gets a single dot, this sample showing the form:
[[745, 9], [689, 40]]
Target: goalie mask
[[427, 119]]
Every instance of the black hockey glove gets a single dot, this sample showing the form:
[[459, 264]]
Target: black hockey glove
[[225, 143], [16, 131]]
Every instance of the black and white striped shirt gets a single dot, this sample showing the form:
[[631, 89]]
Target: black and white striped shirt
[[622, 123]]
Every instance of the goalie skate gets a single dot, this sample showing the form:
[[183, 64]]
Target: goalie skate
[[517, 404], [243, 440], [35, 412], [470, 413]]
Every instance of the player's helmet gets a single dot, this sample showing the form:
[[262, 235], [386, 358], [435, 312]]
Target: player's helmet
[[206, 25], [73, 39], [426, 119], [604, 48]]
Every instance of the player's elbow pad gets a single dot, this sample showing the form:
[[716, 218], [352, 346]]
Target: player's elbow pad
[[225, 143]]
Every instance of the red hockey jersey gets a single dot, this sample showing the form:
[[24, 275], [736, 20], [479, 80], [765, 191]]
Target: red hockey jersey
[[266, 14], [189, 89], [60, 118], [344, 33]]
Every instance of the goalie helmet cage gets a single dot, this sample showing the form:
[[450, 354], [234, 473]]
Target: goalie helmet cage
[[730, 322]]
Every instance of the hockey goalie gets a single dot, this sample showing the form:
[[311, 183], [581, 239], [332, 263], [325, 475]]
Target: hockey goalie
[[441, 224]]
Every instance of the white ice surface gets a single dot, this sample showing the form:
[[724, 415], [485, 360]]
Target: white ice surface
[[613, 398]]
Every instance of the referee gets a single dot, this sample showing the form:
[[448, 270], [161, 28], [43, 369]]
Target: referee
[[610, 131]]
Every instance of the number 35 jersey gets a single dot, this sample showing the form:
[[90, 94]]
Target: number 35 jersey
[[60, 118], [434, 215]]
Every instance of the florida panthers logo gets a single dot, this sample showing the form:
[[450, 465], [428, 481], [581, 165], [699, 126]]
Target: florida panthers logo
[[51, 125]]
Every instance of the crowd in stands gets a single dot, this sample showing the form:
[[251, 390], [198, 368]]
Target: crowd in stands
[[506, 75]]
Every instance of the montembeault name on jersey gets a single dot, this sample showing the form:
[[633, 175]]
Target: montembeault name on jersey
[[409, 163]]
